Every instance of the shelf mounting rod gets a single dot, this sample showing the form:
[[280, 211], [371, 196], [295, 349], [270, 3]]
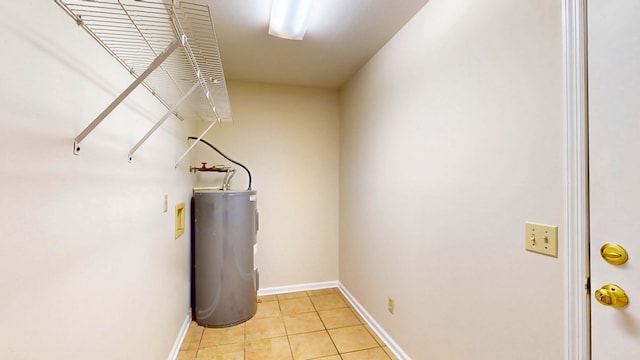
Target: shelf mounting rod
[[154, 64], [165, 117], [195, 142]]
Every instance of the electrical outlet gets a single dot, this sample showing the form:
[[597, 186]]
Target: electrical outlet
[[391, 305], [165, 207], [542, 239]]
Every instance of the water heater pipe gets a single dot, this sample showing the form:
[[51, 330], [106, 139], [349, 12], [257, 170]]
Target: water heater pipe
[[224, 156]]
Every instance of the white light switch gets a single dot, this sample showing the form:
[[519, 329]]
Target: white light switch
[[542, 239]]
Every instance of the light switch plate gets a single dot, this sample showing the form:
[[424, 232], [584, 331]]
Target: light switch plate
[[165, 203], [542, 239]]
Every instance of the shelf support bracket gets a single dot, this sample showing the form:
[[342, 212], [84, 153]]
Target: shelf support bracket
[[165, 117], [195, 143], [154, 64]]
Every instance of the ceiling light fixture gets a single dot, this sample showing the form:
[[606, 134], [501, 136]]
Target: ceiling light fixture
[[289, 18]]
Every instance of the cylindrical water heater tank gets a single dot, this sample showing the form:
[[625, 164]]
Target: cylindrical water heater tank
[[226, 284]]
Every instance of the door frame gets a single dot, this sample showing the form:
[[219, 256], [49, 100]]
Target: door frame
[[576, 181]]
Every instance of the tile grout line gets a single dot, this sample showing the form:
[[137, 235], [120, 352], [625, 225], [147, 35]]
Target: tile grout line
[[325, 328], [286, 331], [244, 332], [199, 342]]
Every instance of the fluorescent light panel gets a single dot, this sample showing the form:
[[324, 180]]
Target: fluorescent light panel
[[289, 18]]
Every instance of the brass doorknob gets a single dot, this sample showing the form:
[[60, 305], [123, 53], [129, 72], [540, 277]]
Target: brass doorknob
[[612, 295], [614, 254]]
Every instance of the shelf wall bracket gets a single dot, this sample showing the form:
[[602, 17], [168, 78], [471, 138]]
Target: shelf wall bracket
[[195, 143], [165, 117], [154, 64]]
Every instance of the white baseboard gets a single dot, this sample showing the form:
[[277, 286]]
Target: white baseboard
[[173, 355], [392, 345], [295, 288]]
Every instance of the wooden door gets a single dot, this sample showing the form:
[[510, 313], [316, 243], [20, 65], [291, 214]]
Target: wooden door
[[613, 38]]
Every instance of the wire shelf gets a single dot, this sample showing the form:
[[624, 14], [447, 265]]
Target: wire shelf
[[136, 32]]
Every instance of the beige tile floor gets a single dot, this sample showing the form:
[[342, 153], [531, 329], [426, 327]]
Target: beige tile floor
[[319, 324]]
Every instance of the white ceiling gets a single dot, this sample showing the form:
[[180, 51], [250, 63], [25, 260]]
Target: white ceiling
[[342, 36]]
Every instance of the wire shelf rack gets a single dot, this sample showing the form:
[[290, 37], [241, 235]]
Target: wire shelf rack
[[138, 33]]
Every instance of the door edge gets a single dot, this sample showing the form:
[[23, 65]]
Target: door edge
[[576, 202]]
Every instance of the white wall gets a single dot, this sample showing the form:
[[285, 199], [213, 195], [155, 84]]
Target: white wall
[[288, 138], [89, 268], [451, 138]]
